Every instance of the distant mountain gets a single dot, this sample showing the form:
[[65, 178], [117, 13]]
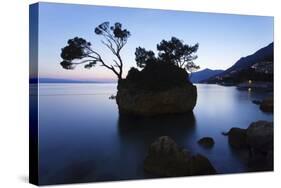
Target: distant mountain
[[248, 67], [58, 80], [205, 74], [262, 55]]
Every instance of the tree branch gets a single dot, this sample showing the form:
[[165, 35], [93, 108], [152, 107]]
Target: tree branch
[[111, 68], [81, 62]]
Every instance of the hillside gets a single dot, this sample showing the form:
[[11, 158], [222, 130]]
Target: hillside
[[258, 67], [204, 74]]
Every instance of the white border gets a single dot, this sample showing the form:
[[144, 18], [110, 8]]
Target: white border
[[14, 91]]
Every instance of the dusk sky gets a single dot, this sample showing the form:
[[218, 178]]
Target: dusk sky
[[223, 38]]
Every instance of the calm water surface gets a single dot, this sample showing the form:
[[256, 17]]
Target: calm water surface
[[82, 138]]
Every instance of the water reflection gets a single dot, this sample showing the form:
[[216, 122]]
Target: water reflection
[[176, 126], [76, 172], [82, 137], [137, 133]]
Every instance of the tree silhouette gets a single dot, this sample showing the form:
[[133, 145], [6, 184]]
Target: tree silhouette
[[173, 51], [144, 57], [79, 51], [191, 67]]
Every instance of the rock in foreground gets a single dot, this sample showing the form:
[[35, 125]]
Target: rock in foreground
[[237, 138], [260, 136], [166, 158], [258, 139]]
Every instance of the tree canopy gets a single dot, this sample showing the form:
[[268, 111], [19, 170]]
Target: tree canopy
[[173, 51], [144, 57], [79, 51]]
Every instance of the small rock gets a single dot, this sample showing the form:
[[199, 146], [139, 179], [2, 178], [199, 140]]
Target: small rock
[[207, 142], [112, 97], [267, 104], [224, 133], [237, 138], [166, 158], [257, 102]]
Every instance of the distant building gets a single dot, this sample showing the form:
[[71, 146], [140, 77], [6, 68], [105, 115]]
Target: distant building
[[263, 67]]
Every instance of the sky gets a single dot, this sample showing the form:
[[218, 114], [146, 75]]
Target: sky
[[223, 38]]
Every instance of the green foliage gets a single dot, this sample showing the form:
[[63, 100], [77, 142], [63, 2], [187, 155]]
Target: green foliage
[[168, 70], [133, 75], [77, 48], [90, 65], [191, 66], [144, 57], [173, 51], [116, 29], [67, 65], [157, 76], [79, 51]]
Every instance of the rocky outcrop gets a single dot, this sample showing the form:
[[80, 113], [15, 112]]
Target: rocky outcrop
[[206, 142], [258, 139], [166, 158], [267, 104], [180, 99], [260, 136], [159, 88]]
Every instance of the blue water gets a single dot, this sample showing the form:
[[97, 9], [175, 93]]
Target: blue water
[[82, 138]]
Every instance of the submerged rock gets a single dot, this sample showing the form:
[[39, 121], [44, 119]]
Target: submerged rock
[[237, 138], [112, 97], [257, 102], [267, 104], [166, 158], [206, 142]]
